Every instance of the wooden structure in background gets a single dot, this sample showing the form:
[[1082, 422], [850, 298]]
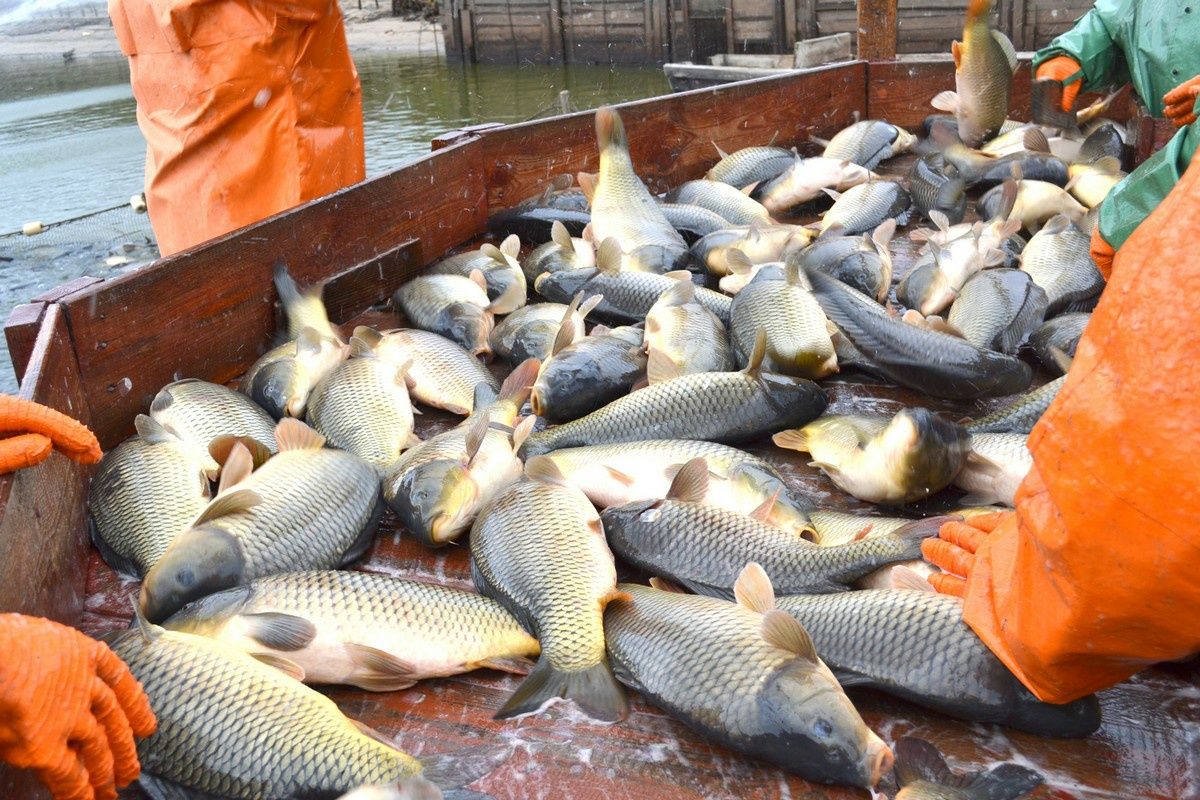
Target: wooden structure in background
[[658, 31]]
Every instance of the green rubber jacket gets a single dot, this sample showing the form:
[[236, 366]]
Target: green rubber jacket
[[1155, 45]]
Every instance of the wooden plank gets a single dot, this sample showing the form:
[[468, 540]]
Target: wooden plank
[[64, 289], [806, 19], [671, 137], [789, 24], [129, 342], [20, 332], [352, 292], [823, 50], [876, 29], [900, 91]]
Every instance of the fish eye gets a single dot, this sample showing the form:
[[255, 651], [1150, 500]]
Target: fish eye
[[823, 728], [185, 577]]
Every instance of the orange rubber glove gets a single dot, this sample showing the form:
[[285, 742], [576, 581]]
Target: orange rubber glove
[[954, 550], [1180, 102], [39, 428], [69, 709], [1102, 253], [1061, 69]]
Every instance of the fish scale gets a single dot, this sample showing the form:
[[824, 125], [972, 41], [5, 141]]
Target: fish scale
[[588, 374], [143, 494], [438, 630], [751, 165], [725, 406], [424, 297], [1058, 258], [628, 296], [998, 309], [863, 207], [231, 726], [723, 199], [798, 341], [1061, 333], [915, 645], [198, 412], [441, 373], [706, 547], [531, 329], [363, 407], [865, 143], [1021, 416]]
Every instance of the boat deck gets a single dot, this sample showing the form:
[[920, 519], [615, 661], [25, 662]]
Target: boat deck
[[1148, 746]]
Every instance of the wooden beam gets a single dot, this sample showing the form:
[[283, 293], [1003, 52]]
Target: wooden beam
[[20, 332], [877, 30]]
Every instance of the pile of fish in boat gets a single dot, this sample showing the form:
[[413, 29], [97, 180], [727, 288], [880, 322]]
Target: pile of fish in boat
[[642, 349]]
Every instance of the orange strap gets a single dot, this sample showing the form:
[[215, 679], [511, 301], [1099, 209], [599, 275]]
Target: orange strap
[[71, 438]]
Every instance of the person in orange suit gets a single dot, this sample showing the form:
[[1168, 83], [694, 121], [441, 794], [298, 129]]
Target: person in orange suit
[[1152, 45], [248, 109], [1093, 576]]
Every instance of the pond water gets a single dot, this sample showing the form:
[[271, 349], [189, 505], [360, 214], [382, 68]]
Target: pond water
[[69, 145]]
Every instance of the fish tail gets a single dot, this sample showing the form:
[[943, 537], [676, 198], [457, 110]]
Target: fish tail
[[977, 9], [593, 689]]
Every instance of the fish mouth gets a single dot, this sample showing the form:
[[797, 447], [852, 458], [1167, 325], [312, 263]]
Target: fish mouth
[[880, 760]]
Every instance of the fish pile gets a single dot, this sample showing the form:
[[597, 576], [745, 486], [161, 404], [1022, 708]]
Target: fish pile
[[639, 343]]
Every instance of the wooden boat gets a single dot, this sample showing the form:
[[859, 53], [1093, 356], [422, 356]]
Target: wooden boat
[[100, 349]]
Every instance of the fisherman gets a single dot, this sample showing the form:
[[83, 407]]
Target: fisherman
[[1154, 45], [1092, 578], [247, 108]]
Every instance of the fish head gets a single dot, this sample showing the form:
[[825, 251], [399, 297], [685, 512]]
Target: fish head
[[814, 723], [926, 289], [623, 523], [952, 200], [561, 287], [470, 326], [923, 449], [209, 615], [436, 501], [799, 400], [281, 388], [199, 562]]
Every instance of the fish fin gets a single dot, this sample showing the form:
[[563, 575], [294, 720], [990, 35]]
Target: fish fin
[[956, 52], [565, 336], [587, 183], [979, 500], [412, 440], [680, 294], [939, 219], [1008, 195], [881, 237], [754, 365], [627, 678], [834, 231], [292, 434], [918, 760], [690, 483], [220, 448], [832, 193], [147, 629], [521, 432], [511, 246], [512, 298], [678, 275], [234, 502], [477, 278], [280, 631], [720, 153], [946, 101], [752, 589], [372, 733], [619, 476], [666, 585], [980, 461], [903, 577], [309, 341], [561, 236], [849, 678], [748, 189], [738, 262], [1061, 359], [817, 140], [608, 256], [1035, 141], [589, 305], [284, 665], [1005, 782], [545, 470], [515, 665], [595, 690], [762, 512], [660, 367], [360, 347], [615, 595], [780, 629], [1056, 224], [153, 431], [994, 258], [237, 467], [794, 439], [367, 335], [492, 252], [589, 235], [477, 431], [519, 382], [1006, 45], [828, 468], [1110, 165], [378, 670]]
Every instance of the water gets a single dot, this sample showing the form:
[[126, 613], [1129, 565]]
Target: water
[[69, 141]]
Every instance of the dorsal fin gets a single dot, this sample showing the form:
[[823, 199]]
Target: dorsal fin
[[233, 502], [608, 256], [477, 278], [680, 294], [565, 336], [587, 182], [238, 466], [492, 252], [521, 431], [1035, 141], [292, 434], [589, 305], [753, 590], [738, 262], [754, 365], [561, 236], [477, 430], [152, 430], [544, 470], [780, 629], [511, 246], [690, 483], [220, 448]]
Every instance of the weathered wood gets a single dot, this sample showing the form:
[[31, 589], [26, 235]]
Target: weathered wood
[[130, 339], [876, 29], [20, 332], [671, 138], [823, 50], [460, 135], [900, 91]]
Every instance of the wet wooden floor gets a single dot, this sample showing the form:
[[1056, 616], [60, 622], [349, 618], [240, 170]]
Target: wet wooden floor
[[1148, 745]]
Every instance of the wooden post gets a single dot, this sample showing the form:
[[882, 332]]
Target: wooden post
[[806, 18], [877, 30], [789, 25]]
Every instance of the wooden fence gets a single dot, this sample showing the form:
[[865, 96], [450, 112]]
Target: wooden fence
[[657, 31]]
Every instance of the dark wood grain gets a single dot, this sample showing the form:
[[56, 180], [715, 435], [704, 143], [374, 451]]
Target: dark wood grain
[[877, 29], [671, 138], [20, 333], [353, 291], [208, 312]]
